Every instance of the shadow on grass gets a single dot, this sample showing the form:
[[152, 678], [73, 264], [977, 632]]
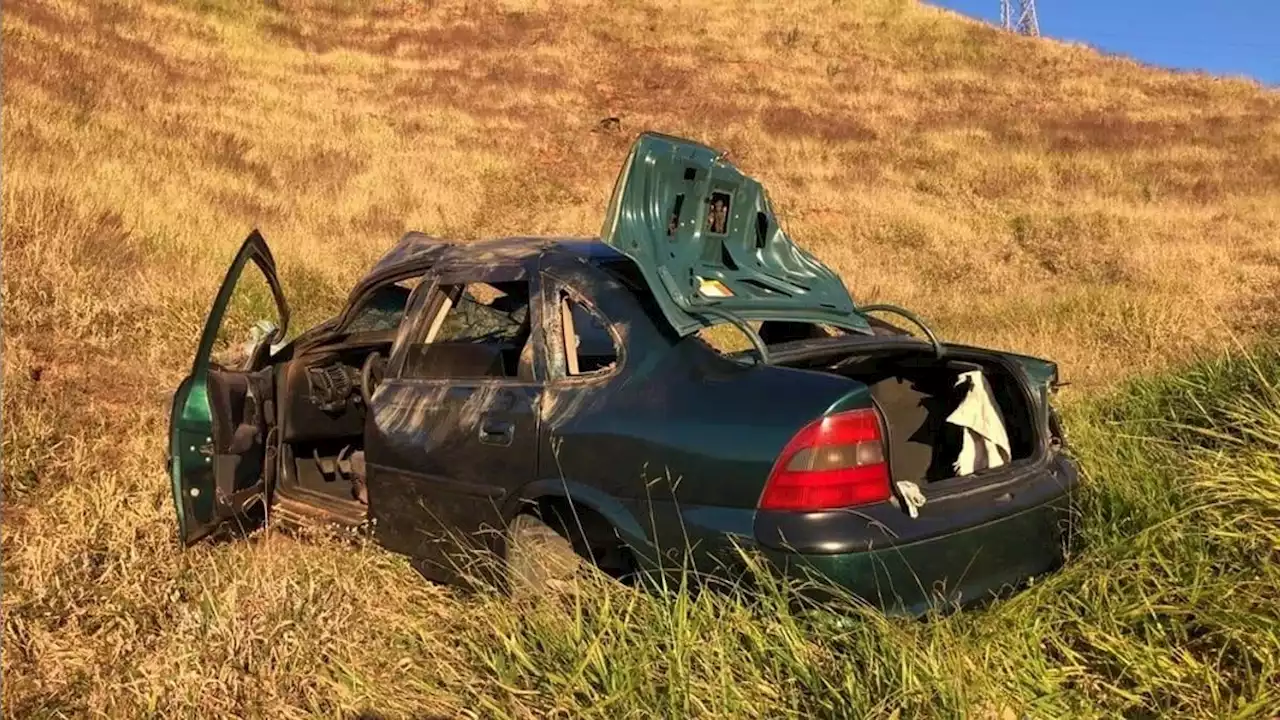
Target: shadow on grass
[[375, 715]]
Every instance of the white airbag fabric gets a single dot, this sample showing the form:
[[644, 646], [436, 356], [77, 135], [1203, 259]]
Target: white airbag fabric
[[912, 496], [986, 443]]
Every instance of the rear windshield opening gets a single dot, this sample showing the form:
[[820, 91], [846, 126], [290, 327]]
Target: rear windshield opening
[[625, 271], [725, 338], [729, 340]]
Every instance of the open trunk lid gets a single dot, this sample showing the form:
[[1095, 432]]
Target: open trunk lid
[[709, 246]]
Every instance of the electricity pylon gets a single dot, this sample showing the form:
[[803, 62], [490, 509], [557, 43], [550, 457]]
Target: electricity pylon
[[1019, 16]]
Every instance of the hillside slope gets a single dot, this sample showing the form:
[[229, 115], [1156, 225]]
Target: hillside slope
[[1085, 208], [1077, 206]]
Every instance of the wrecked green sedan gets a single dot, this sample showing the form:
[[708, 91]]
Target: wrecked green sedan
[[531, 397]]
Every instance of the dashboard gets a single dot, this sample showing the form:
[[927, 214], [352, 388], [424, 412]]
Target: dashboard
[[321, 396]]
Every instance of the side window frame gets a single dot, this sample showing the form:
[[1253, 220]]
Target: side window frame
[[556, 361], [424, 310], [419, 308]]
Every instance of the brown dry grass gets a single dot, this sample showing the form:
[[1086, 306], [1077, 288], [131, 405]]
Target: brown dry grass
[[1080, 207]]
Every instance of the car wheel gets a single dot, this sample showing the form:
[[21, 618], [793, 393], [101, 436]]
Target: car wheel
[[539, 559]]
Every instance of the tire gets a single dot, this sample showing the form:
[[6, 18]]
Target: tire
[[539, 559]]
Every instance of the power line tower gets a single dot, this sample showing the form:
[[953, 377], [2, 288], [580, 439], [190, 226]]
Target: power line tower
[[1019, 16]]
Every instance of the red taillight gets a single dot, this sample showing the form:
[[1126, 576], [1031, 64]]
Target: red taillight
[[833, 462]]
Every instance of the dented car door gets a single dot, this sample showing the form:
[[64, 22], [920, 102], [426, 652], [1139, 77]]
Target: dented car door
[[221, 454], [454, 426]]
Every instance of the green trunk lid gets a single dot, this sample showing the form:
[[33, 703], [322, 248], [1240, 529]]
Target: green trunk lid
[[708, 244]]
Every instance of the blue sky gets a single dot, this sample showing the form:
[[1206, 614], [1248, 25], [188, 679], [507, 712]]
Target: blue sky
[[1225, 37]]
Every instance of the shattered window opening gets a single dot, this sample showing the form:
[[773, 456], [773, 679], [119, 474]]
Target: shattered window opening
[[251, 310], [589, 346], [481, 330], [384, 308]]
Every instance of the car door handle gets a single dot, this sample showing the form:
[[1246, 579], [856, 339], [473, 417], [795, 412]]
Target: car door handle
[[497, 432]]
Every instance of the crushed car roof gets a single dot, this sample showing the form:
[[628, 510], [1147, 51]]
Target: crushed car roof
[[417, 248]]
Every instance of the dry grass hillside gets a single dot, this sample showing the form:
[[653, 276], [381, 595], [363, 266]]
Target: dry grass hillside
[[1086, 208]]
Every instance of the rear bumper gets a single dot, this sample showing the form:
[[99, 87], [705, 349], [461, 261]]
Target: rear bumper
[[964, 566]]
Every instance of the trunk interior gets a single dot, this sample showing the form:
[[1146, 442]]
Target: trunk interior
[[920, 395]]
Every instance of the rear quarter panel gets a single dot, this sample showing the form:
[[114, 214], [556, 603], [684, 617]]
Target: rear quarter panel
[[680, 437]]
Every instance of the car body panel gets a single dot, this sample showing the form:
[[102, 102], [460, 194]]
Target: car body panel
[[198, 471], [443, 458], [625, 516], [708, 243], [964, 567], [876, 527], [190, 450]]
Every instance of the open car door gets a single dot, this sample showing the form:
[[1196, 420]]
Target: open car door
[[709, 246], [222, 422]]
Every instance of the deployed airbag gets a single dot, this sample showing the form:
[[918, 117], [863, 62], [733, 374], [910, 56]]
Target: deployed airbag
[[985, 444]]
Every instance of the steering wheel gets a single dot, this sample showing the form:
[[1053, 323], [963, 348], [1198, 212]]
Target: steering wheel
[[371, 374]]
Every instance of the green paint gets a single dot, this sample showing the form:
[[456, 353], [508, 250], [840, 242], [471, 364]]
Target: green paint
[[665, 214], [191, 416]]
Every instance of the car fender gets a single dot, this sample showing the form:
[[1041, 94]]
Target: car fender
[[610, 508]]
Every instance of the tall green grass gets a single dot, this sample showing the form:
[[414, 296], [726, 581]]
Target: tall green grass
[[1171, 607]]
